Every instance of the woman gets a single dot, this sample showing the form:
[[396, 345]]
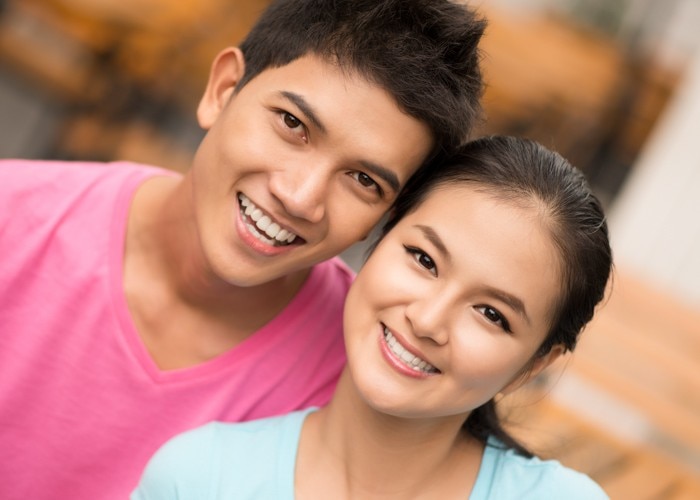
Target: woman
[[487, 271]]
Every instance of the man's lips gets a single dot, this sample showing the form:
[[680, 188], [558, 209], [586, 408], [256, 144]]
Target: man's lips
[[264, 227]]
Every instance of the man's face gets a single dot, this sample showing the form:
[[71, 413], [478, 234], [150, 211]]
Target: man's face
[[298, 165]]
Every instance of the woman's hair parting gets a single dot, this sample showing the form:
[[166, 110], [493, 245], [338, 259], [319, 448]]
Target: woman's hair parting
[[423, 52], [525, 172]]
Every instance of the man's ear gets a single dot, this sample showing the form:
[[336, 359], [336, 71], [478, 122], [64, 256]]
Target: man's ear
[[226, 71], [538, 365]]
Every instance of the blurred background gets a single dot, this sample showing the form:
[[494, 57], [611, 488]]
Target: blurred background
[[613, 85]]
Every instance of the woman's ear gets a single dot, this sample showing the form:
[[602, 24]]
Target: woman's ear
[[226, 71], [539, 364]]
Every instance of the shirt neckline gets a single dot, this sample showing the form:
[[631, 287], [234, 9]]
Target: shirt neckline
[[130, 335]]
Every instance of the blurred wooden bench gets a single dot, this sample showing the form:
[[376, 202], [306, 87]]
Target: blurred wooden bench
[[121, 71], [625, 408], [163, 46], [573, 89], [624, 470], [550, 79]]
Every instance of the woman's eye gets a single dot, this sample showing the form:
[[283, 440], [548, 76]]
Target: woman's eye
[[423, 259], [495, 317]]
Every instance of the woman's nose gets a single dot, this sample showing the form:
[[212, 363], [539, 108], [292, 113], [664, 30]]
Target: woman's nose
[[429, 316]]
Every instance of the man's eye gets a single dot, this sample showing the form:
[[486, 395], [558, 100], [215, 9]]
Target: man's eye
[[365, 180], [495, 317], [290, 120], [293, 126]]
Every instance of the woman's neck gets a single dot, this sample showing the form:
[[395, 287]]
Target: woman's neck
[[349, 450]]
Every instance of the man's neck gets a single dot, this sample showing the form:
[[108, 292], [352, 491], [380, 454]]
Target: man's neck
[[184, 313]]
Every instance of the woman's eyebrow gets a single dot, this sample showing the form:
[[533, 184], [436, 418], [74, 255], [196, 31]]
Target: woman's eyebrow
[[513, 302], [435, 239]]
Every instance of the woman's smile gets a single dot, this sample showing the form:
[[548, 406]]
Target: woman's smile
[[403, 358]]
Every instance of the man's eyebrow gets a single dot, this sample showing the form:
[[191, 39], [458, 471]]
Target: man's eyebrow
[[305, 108], [384, 173], [435, 239], [514, 302]]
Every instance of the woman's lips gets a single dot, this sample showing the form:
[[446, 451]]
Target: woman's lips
[[402, 359]]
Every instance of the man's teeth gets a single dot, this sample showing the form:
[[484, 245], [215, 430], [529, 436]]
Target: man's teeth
[[263, 225], [409, 359]]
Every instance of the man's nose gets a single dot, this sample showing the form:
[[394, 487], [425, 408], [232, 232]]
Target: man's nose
[[302, 192]]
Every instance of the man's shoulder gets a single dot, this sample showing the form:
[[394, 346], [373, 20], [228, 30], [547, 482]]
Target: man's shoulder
[[319, 304], [42, 183], [19, 166], [336, 271], [326, 287], [19, 174]]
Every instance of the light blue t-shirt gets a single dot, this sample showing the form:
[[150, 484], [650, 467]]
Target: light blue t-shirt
[[255, 460]]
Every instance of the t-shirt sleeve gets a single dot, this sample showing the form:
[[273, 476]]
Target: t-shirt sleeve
[[553, 481], [572, 485], [181, 468], [505, 475]]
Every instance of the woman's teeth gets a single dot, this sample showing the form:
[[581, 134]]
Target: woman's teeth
[[262, 226], [408, 359]]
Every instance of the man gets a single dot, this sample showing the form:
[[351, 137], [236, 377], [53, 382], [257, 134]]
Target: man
[[136, 304]]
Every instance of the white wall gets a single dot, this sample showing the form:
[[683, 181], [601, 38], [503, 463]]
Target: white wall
[[655, 220]]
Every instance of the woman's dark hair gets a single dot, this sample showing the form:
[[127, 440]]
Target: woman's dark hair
[[523, 171], [423, 52]]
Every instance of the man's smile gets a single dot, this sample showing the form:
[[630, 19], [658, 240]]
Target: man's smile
[[262, 226]]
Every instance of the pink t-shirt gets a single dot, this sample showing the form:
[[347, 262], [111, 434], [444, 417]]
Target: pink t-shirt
[[82, 405]]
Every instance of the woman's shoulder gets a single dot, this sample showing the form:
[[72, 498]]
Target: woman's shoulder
[[181, 465], [505, 474], [222, 457], [270, 429], [218, 441]]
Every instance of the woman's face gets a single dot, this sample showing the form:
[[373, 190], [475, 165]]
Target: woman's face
[[452, 305]]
